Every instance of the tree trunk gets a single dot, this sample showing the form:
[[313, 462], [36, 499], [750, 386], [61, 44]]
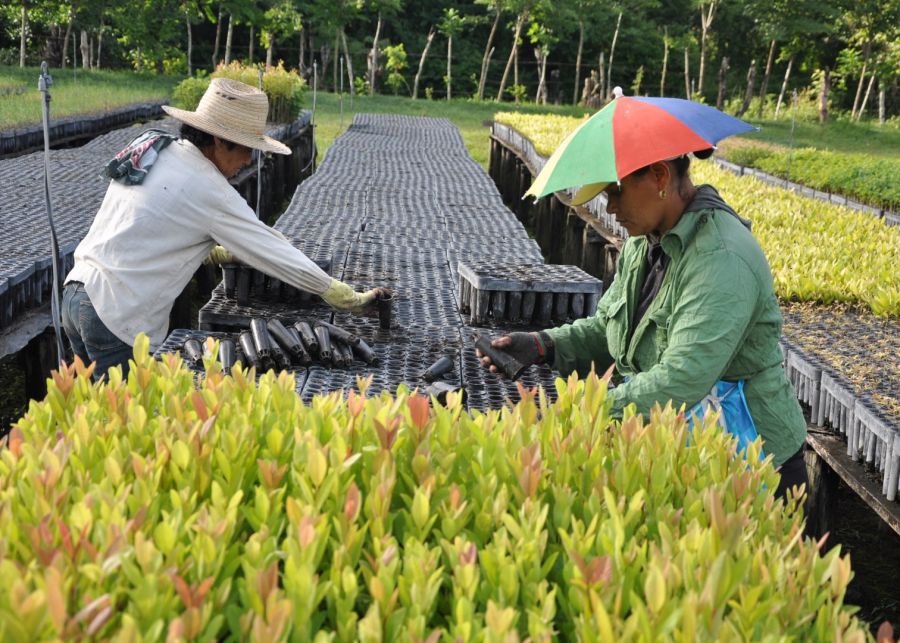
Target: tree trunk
[[301, 58], [687, 74], [543, 83], [578, 61], [862, 78], [705, 23], [787, 75], [334, 64], [748, 95], [373, 56], [349, 63], [229, 38], [66, 39], [99, 44], [190, 42], [865, 101], [602, 65], [662, 78], [85, 51], [270, 49], [520, 20], [881, 97], [215, 55], [612, 51], [764, 86], [485, 59], [415, 92], [23, 30], [252, 42], [723, 79], [449, 67], [824, 89], [538, 57]]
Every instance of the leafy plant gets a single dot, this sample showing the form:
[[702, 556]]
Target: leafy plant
[[284, 88], [396, 63], [148, 508]]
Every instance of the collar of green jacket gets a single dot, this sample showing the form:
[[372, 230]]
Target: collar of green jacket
[[707, 198]]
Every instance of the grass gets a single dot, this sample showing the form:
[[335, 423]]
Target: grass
[[83, 92], [469, 116], [838, 136]]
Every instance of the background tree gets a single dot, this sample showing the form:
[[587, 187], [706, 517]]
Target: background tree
[[450, 25]]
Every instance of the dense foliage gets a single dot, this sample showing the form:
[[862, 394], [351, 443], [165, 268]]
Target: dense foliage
[[283, 88], [818, 251], [858, 176], [852, 49], [149, 508]]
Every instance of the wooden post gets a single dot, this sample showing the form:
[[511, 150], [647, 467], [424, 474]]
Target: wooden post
[[557, 229], [821, 495], [574, 239], [592, 252], [37, 359]]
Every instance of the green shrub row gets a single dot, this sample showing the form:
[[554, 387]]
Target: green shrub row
[[147, 509], [284, 89], [868, 179]]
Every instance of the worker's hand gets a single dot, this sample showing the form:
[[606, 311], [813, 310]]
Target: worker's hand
[[527, 348], [342, 296], [219, 255]]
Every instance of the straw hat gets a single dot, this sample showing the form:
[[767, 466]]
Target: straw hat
[[233, 111]]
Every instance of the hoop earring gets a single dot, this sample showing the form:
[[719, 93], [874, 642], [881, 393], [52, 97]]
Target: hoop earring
[[663, 194]]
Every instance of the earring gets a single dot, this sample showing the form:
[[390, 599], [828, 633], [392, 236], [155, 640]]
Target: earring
[[662, 194]]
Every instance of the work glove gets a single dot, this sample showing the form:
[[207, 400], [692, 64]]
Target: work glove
[[342, 296], [527, 348], [219, 255]]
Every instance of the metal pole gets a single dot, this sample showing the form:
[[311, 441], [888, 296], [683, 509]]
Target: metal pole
[[259, 161], [312, 118], [341, 94], [44, 83]]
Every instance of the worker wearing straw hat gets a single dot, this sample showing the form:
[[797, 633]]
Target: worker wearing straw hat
[[167, 207]]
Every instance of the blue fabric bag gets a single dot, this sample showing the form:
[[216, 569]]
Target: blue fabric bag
[[734, 416]]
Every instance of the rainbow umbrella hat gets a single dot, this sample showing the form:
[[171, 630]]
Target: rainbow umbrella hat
[[626, 135]]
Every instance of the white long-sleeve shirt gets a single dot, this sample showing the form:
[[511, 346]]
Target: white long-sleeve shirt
[[147, 241]]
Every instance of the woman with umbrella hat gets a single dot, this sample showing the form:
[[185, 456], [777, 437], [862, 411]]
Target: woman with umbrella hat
[[691, 315], [167, 207]]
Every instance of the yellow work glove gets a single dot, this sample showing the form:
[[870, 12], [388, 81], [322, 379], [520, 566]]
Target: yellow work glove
[[341, 296], [219, 255]]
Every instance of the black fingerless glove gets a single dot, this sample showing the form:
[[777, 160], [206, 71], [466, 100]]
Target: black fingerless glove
[[531, 348]]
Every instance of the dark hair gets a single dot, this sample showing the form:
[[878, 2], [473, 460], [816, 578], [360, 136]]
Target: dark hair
[[202, 139], [681, 166]]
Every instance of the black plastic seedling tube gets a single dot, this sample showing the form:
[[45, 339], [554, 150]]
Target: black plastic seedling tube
[[506, 363], [385, 310], [229, 277], [324, 340], [193, 351], [242, 287], [301, 354], [261, 337], [336, 332], [308, 337], [279, 357], [284, 339], [226, 354], [365, 352], [249, 349], [441, 367]]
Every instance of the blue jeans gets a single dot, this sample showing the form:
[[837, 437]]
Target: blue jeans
[[91, 340]]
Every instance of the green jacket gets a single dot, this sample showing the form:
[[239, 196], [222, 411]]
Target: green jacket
[[716, 317]]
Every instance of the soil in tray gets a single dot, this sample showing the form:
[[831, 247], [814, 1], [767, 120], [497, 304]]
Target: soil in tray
[[859, 346], [874, 550]]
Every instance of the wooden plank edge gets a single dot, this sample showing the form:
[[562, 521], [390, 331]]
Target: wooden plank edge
[[834, 452]]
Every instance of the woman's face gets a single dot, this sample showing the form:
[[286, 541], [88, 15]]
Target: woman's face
[[636, 204]]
